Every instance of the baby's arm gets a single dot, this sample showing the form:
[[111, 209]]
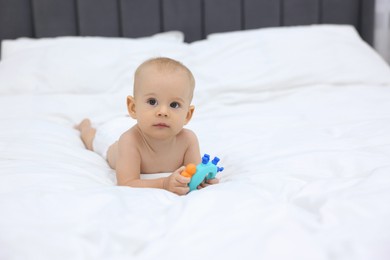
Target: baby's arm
[[175, 183], [128, 168], [193, 156]]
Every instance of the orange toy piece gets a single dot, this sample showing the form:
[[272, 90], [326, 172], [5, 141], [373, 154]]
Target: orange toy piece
[[189, 171]]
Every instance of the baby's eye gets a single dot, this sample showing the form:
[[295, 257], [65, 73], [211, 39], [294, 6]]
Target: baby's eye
[[175, 105], [152, 101]]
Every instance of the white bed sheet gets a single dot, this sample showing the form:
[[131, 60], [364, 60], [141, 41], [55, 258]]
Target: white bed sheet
[[307, 176]]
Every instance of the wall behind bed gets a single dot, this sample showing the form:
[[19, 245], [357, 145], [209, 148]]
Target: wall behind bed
[[382, 28], [197, 18]]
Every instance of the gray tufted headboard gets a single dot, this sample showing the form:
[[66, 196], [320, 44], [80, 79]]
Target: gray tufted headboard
[[196, 18]]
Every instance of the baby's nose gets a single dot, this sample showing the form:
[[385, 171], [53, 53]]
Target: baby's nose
[[162, 112]]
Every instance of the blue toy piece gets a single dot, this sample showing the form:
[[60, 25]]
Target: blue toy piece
[[205, 171]]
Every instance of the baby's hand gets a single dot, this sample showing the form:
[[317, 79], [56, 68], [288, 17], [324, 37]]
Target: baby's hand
[[177, 183], [208, 182]]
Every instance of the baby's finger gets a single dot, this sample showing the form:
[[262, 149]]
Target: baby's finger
[[182, 190], [178, 171], [212, 181], [202, 185], [209, 182], [183, 180]]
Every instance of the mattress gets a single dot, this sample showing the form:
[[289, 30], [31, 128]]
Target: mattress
[[299, 116]]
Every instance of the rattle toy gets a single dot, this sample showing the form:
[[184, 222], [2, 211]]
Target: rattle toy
[[203, 171]]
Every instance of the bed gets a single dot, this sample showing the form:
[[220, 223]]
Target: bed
[[289, 94]]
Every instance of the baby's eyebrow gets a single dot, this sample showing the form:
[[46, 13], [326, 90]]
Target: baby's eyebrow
[[152, 94], [179, 99]]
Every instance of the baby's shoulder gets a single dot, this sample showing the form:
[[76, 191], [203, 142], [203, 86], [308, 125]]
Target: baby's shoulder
[[130, 136], [187, 135], [187, 132]]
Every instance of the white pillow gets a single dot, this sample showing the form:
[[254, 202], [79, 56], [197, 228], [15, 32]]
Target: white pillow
[[11, 47], [286, 57], [79, 65]]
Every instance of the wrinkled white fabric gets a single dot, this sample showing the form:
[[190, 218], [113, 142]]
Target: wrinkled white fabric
[[306, 177], [306, 157]]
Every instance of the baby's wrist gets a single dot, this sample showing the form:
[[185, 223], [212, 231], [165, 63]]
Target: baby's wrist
[[164, 183]]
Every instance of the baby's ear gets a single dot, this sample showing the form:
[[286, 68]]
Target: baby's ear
[[131, 107], [190, 112]]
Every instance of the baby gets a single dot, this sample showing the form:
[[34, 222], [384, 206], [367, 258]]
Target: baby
[[158, 143]]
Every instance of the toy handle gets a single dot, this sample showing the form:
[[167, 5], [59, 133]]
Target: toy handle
[[189, 171]]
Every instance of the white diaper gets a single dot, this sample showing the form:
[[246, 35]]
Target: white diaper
[[109, 132]]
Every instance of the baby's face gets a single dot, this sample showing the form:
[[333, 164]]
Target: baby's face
[[162, 102]]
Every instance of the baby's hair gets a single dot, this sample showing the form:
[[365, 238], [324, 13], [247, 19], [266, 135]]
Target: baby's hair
[[165, 64]]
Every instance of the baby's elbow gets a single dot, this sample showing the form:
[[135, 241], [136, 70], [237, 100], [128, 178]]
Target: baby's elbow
[[128, 183]]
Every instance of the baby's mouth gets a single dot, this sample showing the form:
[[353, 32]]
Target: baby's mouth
[[162, 125]]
